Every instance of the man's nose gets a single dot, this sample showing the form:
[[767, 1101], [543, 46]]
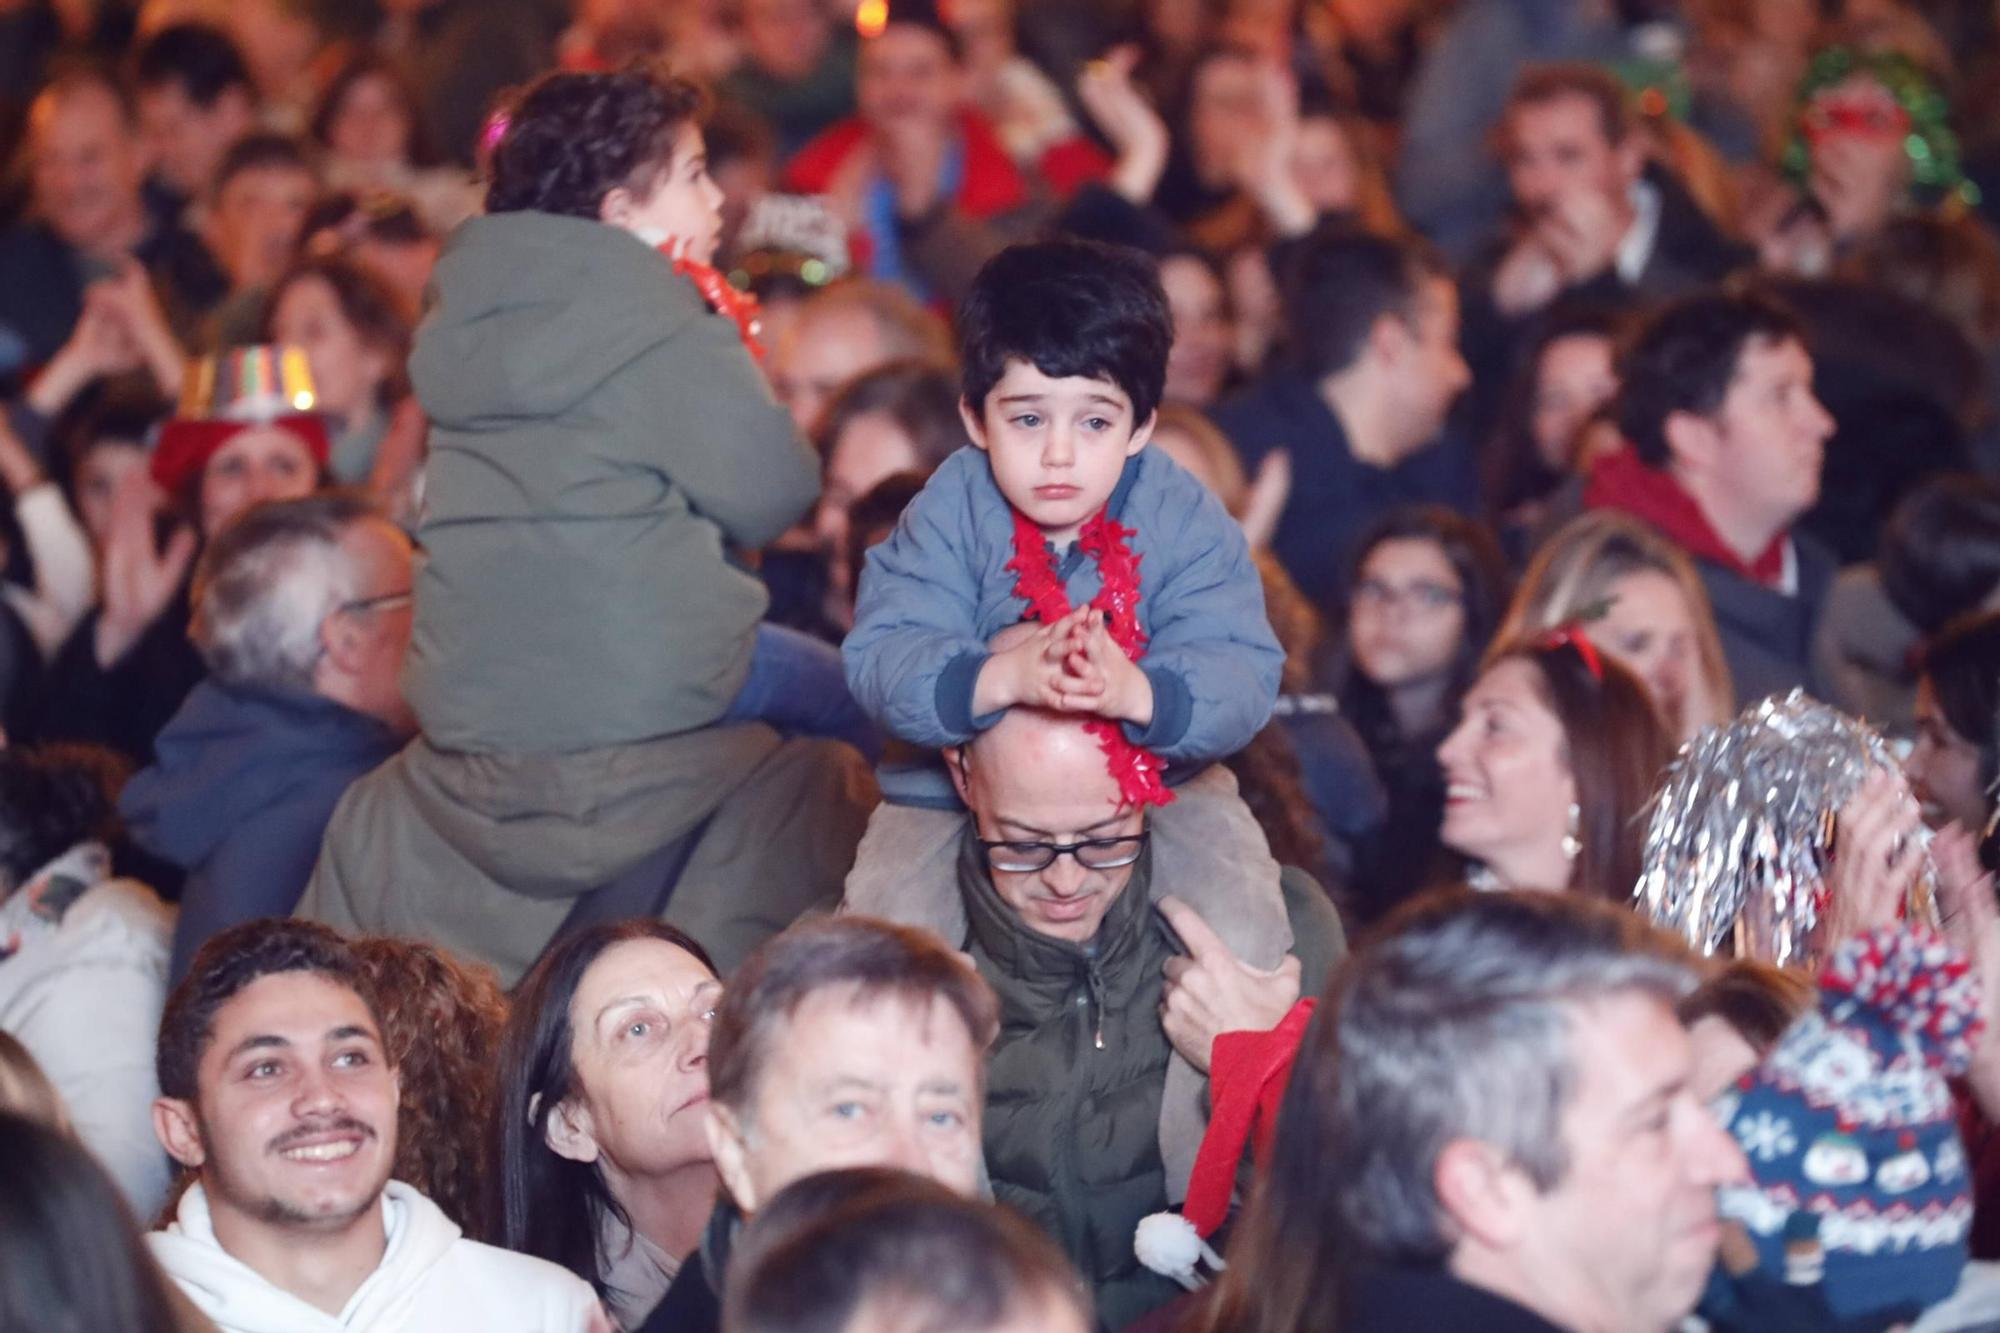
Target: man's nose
[[1064, 877], [905, 1148], [317, 1093], [1716, 1158]]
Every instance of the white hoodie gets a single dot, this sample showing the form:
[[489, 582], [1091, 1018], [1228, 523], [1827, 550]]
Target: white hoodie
[[432, 1280]]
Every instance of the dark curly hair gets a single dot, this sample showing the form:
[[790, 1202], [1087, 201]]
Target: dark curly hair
[[571, 139], [231, 961], [53, 797], [441, 1025]]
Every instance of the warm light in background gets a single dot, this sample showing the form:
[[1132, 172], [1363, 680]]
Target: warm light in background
[[870, 17]]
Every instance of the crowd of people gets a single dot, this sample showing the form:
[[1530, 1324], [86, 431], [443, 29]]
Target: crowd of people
[[986, 665]]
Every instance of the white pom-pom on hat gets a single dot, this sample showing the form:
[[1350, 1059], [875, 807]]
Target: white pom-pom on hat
[[1168, 1244]]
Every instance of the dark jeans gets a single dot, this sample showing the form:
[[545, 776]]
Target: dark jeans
[[797, 685]]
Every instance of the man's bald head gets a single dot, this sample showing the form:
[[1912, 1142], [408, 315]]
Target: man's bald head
[[1040, 777]]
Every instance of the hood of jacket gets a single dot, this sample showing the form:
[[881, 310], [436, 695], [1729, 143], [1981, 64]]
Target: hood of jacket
[[232, 751], [239, 1300], [533, 311]]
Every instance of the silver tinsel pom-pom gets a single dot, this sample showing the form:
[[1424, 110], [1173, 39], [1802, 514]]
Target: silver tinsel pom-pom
[[1737, 848]]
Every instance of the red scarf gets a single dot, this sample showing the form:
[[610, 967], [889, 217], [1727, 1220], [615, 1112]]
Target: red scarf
[[723, 298], [1620, 481], [1104, 540]]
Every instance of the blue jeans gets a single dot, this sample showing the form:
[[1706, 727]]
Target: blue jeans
[[797, 685]]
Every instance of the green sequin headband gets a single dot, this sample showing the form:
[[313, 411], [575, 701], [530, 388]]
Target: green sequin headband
[[1929, 143]]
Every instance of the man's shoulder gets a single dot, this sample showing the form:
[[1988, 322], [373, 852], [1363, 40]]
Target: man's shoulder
[[1278, 410], [1318, 938], [1392, 1299]]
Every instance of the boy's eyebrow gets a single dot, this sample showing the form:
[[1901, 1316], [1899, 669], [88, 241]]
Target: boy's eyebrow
[[1104, 398]]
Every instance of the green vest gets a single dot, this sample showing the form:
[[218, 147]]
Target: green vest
[[1073, 1088]]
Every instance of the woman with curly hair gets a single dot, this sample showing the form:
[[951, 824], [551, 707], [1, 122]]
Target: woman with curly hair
[[441, 1025]]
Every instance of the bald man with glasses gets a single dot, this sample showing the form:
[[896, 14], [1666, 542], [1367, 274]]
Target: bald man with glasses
[[1099, 990]]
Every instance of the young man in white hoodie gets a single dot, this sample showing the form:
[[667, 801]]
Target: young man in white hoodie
[[276, 1088]]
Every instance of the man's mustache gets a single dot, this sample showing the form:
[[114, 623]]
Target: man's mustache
[[342, 1124]]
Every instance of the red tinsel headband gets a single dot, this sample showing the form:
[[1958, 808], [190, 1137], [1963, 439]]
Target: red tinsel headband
[[1572, 636]]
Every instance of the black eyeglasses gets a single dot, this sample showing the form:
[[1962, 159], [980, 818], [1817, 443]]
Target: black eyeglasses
[[1025, 858]]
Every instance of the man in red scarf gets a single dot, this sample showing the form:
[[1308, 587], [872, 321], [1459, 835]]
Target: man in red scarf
[[1724, 444]]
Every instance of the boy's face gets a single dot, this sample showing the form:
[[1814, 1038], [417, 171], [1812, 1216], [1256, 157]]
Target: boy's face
[[1056, 445]]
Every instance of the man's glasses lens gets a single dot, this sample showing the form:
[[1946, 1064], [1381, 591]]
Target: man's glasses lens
[[1096, 854]]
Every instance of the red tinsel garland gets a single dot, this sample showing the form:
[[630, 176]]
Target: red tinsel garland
[[722, 297], [1103, 539]]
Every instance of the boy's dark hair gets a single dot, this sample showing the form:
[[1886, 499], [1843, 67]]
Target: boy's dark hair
[[1685, 358], [228, 963], [870, 1240], [1339, 281], [1069, 307], [261, 152], [197, 58], [571, 139]]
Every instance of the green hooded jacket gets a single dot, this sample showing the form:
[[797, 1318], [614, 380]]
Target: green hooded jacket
[[600, 442]]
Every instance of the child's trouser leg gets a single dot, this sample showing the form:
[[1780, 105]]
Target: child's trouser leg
[[796, 683], [906, 870], [1209, 852]]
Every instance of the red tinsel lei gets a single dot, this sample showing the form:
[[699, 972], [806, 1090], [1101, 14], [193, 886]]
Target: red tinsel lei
[[1104, 540], [723, 298]]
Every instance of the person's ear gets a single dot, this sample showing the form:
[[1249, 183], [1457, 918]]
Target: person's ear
[[975, 423], [179, 1131], [569, 1132], [728, 1143], [1692, 441], [615, 208], [341, 643], [954, 764], [1389, 338], [1486, 1196], [1630, 156], [1142, 433]]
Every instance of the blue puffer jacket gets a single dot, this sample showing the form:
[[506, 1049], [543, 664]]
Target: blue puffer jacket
[[937, 590], [240, 797]]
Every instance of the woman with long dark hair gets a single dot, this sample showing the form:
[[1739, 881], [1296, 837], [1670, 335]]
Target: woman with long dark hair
[[1954, 766], [69, 1248], [1425, 593], [602, 1163]]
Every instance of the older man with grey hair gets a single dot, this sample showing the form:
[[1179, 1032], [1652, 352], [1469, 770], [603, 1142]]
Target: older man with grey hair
[[1492, 1125], [302, 613]]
